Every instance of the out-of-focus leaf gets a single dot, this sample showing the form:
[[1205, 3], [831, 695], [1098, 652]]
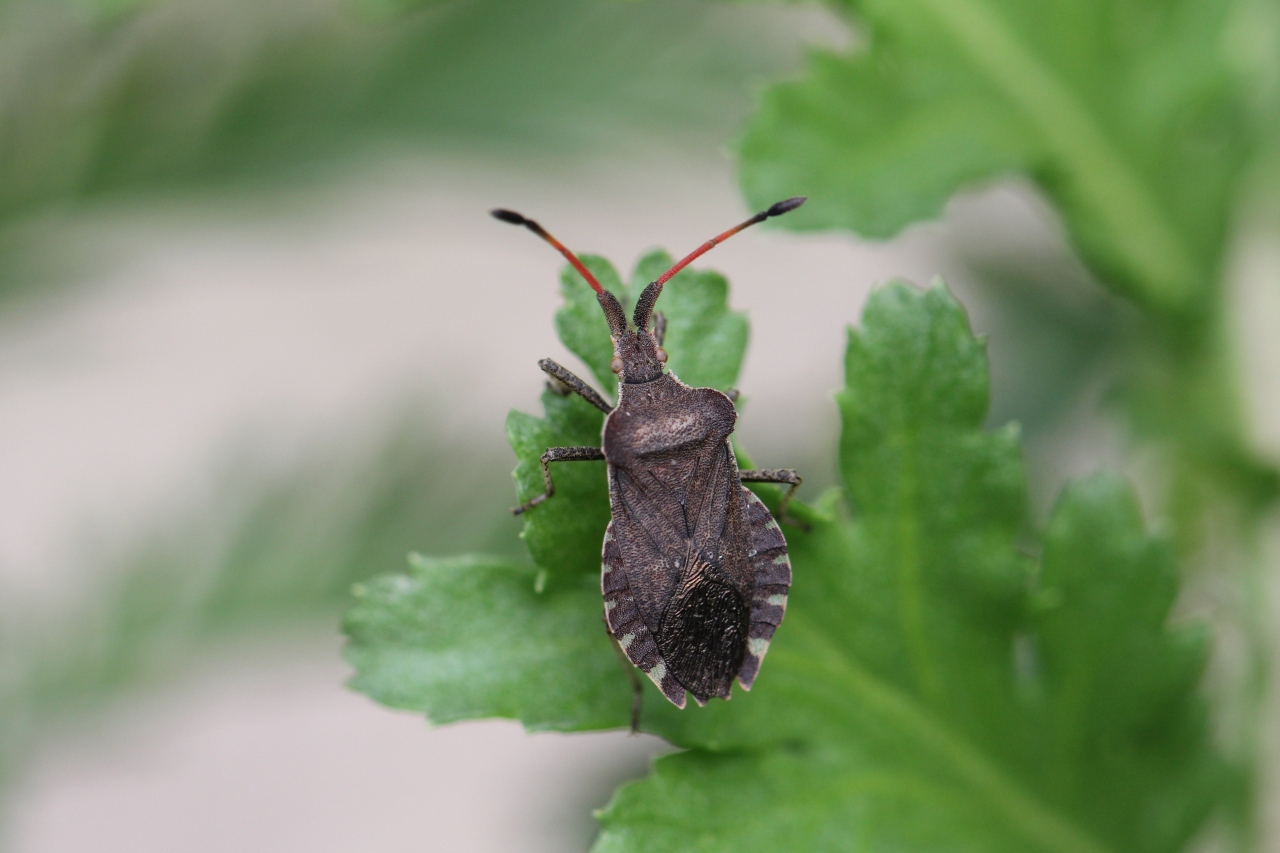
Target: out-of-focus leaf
[[168, 95], [1129, 115], [1128, 743], [465, 637]]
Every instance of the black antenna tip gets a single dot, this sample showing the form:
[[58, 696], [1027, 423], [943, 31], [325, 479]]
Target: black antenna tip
[[778, 209], [510, 216]]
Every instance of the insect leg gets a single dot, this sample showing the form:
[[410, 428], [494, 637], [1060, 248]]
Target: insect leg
[[558, 454], [637, 691], [777, 475], [575, 384]]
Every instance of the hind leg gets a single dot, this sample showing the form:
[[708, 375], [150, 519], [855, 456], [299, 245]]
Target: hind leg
[[786, 476]]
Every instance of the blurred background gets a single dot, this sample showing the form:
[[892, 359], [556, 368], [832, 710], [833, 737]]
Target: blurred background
[[258, 338]]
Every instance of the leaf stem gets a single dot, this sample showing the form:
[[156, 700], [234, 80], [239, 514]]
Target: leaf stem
[[1147, 242], [1036, 821], [911, 610]]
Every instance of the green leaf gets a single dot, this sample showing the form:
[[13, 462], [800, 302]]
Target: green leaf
[[931, 687], [906, 703], [787, 800], [563, 535], [469, 637], [874, 150], [1129, 115], [1127, 737], [940, 502]]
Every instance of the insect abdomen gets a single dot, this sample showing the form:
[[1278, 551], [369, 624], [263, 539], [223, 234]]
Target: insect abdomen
[[772, 582]]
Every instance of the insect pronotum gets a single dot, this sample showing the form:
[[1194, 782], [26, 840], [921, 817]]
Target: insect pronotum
[[695, 570]]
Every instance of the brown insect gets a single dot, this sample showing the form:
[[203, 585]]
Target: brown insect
[[695, 570]]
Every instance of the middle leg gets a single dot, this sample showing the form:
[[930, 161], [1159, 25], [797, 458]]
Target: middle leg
[[558, 454]]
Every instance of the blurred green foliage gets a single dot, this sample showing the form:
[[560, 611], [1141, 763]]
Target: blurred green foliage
[[181, 99], [1137, 120], [935, 685], [1150, 128], [164, 96], [200, 101], [1128, 114]]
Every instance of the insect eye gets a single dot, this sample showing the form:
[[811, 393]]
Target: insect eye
[[616, 365], [662, 355]]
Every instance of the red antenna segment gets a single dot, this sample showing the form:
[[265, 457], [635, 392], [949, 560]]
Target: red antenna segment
[[775, 210], [514, 218]]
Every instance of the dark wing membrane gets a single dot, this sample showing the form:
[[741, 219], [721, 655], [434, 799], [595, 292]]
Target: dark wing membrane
[[703, 638]]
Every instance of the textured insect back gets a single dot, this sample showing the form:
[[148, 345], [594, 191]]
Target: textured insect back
[[694, 570]]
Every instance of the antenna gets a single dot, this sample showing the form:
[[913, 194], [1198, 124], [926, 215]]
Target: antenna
[[513, 218], [775, 210], [644, 306]]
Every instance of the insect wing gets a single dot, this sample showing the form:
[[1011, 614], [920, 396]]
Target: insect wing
[[682, 561], [628, 628]]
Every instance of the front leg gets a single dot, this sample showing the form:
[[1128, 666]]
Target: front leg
[[582, 389], [777, 475], [558, 454]]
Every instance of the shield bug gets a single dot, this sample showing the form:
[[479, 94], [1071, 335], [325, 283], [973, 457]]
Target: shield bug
[[695, 570]]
